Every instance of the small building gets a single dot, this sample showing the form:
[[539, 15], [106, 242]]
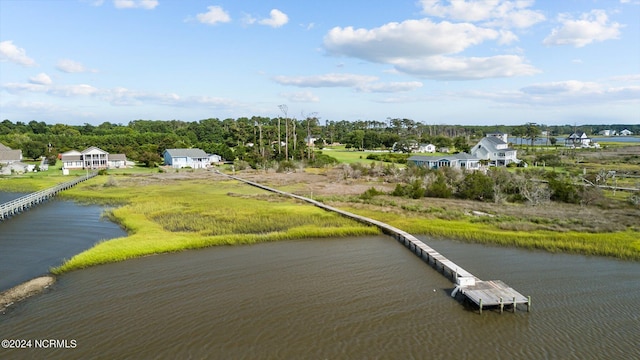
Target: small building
[[181, 158], [426, 148], [92, 158], [607, 132], [626, 132], [496, 150], [577, 140], [215, 159], [458, 161]]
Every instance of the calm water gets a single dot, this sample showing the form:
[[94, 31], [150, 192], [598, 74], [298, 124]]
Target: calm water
[[43, 236], [350, 298]]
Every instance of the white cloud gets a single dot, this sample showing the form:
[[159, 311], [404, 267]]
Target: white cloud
[[70, 66], [590, 27], [216, 14], [73, 90], [14, 54], [390, 87], [563, 93], [302, 96], [408, 39], [500, 13], [55, 90], [15, 88], [277, 19], [41, 79], [460, 68], [362, 83], [424, 48], [327, 80], [131, 4]]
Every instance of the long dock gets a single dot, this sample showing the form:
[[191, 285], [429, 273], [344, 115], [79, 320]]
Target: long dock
[[23, 203], [493, 293]]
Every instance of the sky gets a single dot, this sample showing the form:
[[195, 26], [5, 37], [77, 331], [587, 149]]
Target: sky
[[489, 62]]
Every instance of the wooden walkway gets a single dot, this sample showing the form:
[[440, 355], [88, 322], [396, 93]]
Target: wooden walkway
[[494, 293], [23, 203]]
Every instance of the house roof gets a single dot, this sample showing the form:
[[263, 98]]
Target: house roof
[[117, 157], [93, 149], [71, 157], [4, 147], [10, 155], [192, 153], [492, 143]]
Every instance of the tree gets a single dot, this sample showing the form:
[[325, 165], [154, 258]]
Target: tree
[[461, 144], [34, 149], [476, 186], [532, 132]]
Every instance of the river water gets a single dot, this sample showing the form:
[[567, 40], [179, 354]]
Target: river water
[[42, 237], [348, 298]]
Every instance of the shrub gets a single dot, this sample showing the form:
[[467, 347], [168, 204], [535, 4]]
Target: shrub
[[439, 188], [370, 193], [476, 186]]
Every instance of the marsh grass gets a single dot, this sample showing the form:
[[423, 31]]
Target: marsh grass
[[192, 214], [510, 232]]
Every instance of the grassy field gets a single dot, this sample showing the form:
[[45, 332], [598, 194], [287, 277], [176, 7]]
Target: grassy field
[[348, 156]]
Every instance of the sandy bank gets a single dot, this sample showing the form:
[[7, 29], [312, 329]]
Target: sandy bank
[[25, 290]]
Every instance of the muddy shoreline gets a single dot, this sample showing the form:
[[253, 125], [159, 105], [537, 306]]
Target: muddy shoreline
[[24, 291]]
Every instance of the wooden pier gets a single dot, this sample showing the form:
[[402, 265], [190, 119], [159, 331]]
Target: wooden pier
[[493, 293], [23, 203]]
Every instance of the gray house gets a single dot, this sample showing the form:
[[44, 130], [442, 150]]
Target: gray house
[[180, 158]]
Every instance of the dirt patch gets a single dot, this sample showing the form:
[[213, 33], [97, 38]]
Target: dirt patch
[[25, 290]]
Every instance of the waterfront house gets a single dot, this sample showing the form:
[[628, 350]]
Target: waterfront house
[[458, 161], [626, 132], [92, 158], [577, 140], [495, 149], [181, 158]]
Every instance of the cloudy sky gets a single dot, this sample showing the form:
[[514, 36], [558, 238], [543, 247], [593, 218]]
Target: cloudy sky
[[435, 61]]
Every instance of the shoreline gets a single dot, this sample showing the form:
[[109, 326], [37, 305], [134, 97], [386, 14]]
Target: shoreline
[[24, 291]]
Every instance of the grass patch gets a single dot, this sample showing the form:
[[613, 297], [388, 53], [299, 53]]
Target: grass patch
[[620, 244]]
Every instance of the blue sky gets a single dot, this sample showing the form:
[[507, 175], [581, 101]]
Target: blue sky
[[434, 61]]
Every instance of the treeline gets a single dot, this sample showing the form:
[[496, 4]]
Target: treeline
[[255, 140]]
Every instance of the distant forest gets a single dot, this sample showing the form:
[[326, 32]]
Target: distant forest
[[257, 139]]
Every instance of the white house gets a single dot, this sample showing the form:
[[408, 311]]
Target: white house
[[578, 140], [426, 148], [92, 158], [458, 161], [180, 158], [625, 132], [494, 149]]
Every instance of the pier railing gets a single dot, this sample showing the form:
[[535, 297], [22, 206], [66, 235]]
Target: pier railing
[[23, 203]]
